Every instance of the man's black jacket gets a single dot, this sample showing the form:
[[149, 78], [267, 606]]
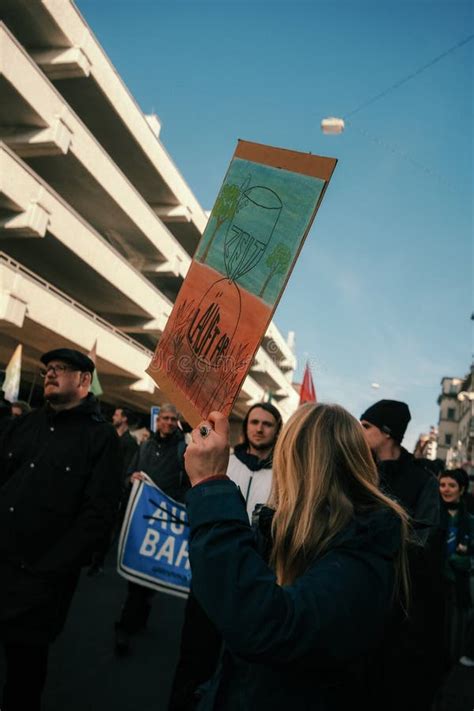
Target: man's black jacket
[[416, 488], [58, 487], [128, 449], [412, 658], [162, 459]]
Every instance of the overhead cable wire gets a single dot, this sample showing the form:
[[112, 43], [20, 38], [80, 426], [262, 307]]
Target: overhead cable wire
[[399, 83], [396, 149]]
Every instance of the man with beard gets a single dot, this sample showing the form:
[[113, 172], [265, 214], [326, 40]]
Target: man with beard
[[411, 663], [58, 498], [250, 467]]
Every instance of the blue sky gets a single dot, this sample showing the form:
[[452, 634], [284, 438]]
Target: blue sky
[[382, 291]]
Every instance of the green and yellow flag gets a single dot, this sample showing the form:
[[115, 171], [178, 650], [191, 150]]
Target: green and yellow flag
[[11, 384]]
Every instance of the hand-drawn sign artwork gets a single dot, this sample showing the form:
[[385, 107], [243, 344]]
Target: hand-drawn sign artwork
[[257, 227]]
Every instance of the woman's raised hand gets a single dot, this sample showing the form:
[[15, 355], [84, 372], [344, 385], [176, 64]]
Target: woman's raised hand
[[208, 453]]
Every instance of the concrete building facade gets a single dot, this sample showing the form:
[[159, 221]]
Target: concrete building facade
[[462, 453], [426, 446], [97, 224], [456, 422], [448, 415]]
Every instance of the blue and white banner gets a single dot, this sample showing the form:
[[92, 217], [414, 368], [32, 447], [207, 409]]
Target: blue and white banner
[[153, 548]]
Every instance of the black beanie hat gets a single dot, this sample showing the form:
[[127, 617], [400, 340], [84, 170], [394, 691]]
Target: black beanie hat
[[390, 416]]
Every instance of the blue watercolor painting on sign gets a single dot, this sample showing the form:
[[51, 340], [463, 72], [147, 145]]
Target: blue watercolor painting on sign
[[257, 225]]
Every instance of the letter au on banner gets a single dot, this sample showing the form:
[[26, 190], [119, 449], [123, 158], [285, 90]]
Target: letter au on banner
[[153, 548]]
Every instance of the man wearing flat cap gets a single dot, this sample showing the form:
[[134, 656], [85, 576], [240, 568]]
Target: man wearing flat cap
[[59, 493], [411, 664]]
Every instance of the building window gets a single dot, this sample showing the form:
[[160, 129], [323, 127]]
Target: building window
[[448, 439], [451, 413]]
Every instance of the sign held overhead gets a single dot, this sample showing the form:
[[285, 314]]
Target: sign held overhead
[[261, 217]]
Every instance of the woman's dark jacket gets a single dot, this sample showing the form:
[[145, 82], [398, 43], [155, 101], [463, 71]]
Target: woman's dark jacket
[[59, 490], [457, 565], [292, 646]]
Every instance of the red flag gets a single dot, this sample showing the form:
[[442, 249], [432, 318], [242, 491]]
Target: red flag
[[307, 390]]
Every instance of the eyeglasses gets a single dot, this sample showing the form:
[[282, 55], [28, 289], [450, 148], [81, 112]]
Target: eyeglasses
[[56, 370]]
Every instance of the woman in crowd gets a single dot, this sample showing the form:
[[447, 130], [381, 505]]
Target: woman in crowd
[[304, 607], [458, 524]]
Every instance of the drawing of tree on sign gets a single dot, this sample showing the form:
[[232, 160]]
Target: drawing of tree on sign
[[278, 262], [225, 207]]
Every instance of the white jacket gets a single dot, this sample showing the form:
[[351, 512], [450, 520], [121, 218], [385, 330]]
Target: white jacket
[[255, 486]]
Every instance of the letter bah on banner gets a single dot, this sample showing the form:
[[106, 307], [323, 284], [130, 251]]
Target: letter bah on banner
[[153, 548]]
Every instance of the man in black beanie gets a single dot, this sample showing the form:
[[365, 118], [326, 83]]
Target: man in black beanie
[[411, 664], [385, 424], [401, 476]]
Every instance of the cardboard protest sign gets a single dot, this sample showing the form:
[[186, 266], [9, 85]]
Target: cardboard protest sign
[[257, 227], [153, 547]]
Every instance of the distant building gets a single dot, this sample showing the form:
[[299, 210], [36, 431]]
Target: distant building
[[448, 415], [97, 224], [456, 422], [427, 445], [463, 453]]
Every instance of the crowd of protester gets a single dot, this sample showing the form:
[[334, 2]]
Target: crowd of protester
[[345, 563]]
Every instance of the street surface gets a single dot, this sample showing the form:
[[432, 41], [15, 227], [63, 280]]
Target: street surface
[[85, 674]]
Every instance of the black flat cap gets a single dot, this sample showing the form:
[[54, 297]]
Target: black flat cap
[[68, 355]]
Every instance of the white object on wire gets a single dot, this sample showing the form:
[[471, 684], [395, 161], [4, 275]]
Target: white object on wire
[[332, 125]]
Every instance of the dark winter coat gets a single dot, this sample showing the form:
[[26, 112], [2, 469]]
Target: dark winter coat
[[407, 480], [59, 492], [457, 563], [162, 459], [293, 646], [411, 661], [128, 450], [416, 488]]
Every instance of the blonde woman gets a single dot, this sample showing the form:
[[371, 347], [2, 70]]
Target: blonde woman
[[295, 627]]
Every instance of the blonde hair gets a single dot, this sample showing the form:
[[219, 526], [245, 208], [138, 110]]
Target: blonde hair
[[323, 473]]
